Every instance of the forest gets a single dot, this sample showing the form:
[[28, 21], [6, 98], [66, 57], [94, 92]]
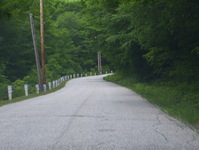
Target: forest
[[154, 41]]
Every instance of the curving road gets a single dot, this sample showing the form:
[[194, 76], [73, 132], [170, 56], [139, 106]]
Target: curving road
[[91, 114]]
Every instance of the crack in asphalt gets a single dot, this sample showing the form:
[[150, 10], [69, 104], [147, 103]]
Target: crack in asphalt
[[156, 130], [75, 114], [192, 140], [182, 126]]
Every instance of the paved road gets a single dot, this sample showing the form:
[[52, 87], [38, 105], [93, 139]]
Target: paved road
[[91, 114]]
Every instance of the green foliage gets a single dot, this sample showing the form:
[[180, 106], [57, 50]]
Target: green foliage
[[18, 88], [156, 38], [32, 77], [66, 43], [15, 40]]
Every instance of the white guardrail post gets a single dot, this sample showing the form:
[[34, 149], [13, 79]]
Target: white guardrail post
[[37, 88], [10, 91], [50, 85], [45, 87], [26, 89], [53, 84]]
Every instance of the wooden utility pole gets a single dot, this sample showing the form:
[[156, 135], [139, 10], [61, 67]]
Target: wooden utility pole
[[42, 42], [36, 52], [99, 62]]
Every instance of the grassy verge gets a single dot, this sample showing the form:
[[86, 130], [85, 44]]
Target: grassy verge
[[180, 100], [18, 99]]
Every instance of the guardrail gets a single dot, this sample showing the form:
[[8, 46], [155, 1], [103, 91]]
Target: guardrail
[[9, 92]]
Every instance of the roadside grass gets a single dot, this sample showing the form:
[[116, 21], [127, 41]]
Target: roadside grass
[[178, 100], [18, 99]]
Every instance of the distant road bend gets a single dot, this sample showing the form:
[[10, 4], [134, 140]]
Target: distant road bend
[[91, 114]]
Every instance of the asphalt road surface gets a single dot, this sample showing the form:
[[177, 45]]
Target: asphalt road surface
[[91, 114]]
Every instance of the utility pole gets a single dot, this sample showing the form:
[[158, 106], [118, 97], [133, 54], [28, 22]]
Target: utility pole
[[99, 59], [36, 52], [99, 62], [42, 42]]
